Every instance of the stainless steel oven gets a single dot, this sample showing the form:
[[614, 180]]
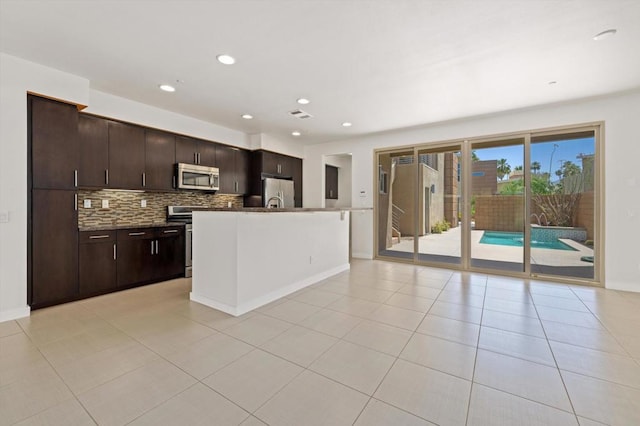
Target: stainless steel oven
[[184, 214], [188, 232]]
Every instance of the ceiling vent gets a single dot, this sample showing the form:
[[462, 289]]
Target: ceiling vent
[[300, 114]]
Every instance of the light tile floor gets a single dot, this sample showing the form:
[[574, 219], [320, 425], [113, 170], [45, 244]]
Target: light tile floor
[[382, 344]]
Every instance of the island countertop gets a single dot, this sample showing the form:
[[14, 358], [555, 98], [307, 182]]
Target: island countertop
[[280, 210]]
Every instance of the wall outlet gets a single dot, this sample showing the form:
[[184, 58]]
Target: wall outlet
[[143, 203], [229, 204], [363, 194], [105, 204], [87, 204], [4, 216]]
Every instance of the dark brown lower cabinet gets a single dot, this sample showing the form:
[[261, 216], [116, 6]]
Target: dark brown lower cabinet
[[170, 253], [148, 255], [97, 270], [54, 247], [136, 248]]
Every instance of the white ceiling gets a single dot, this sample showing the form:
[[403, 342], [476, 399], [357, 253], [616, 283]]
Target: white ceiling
[[382, 64]]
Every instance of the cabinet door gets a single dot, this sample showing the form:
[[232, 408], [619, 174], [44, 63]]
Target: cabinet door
[[225, 157], [186, 150], [331, 182], [97, 257], [207, 153], [160, 148], [242, 171], [170, 255], [54, 144], [54, 247], [135, 256], [270, 163], [126, 156], [297, 180], [93, 134]]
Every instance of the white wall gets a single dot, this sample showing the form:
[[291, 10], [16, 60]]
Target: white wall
[[271, 143], [621, 155], [111, 106], [18, 76]]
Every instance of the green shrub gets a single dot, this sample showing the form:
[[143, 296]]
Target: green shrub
[[437, 228]]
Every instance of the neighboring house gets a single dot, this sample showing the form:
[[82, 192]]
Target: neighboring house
[[484, 177]]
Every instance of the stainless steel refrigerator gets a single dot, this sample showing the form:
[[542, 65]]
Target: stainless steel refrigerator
[[277, 193]]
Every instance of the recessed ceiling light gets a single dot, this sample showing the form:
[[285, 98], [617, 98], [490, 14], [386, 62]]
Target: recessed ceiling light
[[247, 116], [303, 101], [605, 34], [346, 124], [296, 133], [167, 88], [226, 59], [551, 83]]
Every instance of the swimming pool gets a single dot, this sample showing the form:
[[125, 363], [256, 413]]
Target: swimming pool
[[514, 239]]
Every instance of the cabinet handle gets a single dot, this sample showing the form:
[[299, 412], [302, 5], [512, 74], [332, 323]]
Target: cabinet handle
[[133, 234], [236, 186], [75, 178], [114, 251], [156, 246], [95, 237], [106, 176], [198, 158], [171, 231], [173, 184], [144, 179], [151, 248], [75, 202], [195, 158]]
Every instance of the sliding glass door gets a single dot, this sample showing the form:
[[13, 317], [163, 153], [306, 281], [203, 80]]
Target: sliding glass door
[[396, 204], [439, 215], [525, 205], [563, 204], [498, 205]]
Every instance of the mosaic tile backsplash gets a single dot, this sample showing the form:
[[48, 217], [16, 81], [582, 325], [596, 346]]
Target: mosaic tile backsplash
[[125, 206]]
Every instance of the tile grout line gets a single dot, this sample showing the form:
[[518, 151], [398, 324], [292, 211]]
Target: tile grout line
[[475, 359], [564, 385]]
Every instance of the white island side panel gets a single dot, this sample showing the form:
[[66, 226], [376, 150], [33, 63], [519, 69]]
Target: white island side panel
[[274, 255], [215, 249]]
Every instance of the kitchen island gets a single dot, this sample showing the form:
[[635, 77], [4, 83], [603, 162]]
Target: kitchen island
[[246, 258]]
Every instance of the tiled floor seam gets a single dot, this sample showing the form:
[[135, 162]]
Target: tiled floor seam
[[75, 396], [564, 385], [475, 360], [613, 335]]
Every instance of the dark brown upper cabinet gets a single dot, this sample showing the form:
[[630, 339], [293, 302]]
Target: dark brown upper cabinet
[[160, 148], [271, 164], [55, 156], [126, 156], [234, 169], [195, 151], [277, 165], [93, 133], [331, 182]]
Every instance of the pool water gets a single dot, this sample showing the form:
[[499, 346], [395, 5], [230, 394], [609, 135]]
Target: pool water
[[514, 239]]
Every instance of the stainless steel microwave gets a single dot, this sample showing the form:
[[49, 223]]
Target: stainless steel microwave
[[191, 176]]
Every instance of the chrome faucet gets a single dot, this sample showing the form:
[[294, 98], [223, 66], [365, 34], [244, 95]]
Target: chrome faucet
[[278, 199]]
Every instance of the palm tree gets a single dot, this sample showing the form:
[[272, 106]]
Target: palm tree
[[503, 168], [474, 156], [535, 167], [517, 169]]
